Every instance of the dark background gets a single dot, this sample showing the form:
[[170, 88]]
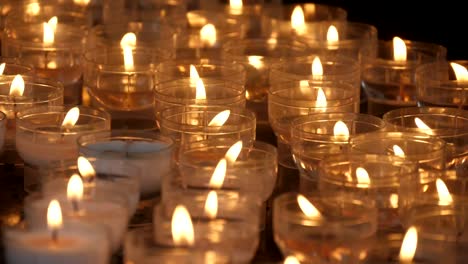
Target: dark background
[[428, 21]]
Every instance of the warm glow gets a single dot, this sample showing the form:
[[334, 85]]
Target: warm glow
[[208, 35], [217, 178], [307, 207], [332, 36], [399, 49], [317, 69], [321, 99], [211, 205], [394, 200], [33, 9], [408, 246], [85, 168], [53, 21], [256, 61], [71, 118], [291, 260], [220, 119], [128, 44], [298, 20], [194, 73], [81, 2], [233, 152], [445, 198], [17, 86], [48, 36], [397, 151], [2, 68], [54, 215], [182, 227], [75, 188], [421, 125], [362, 178], [236, 6], [341, 130], [460, 72], [197, 82]]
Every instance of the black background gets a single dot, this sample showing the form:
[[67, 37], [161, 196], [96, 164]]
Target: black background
[[428, 21]]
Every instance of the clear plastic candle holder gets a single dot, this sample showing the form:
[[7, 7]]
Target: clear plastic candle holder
[[281, 14], [13, 66], [448, 124], [223, 83], [313, 139], [427, 151], [188, 124], [150, 152], [57, 59], [341, 232], [257, 56], [233, 228], [126, 91], [37, 92], [140, 247], [385, 180], [40, 138], [390, 83], [438, 85]]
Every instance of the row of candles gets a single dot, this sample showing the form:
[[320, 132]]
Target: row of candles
[[212, 81]]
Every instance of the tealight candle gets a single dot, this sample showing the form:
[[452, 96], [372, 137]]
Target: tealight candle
[[18, 93], [54, 130], [150, 152], [50, 44], [69, 244], [389, 79]]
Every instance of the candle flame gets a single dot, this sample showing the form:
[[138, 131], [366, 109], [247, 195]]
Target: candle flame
[[340, 130], [332, 35], [85, 168], [220, 119], [71, 118], [256, 61], [182, 227], [307, 207], [460, 71], [2, 68], [394, 200], [217, 178], [398, 151], [317, 69], [233, 152], [54, 215], [128, 44], [291, 260], [445, 198], [208, 35], [298, 20], [48, 36], [81, 2], [53, 21], [363, 178], [17, 86], [197, 82], [33, 9], [211, 205], [321, 99], [236, 6], [399, 49], [421, 125], [409, 245], [75, 188]]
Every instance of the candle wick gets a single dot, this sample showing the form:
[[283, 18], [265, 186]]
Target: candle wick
[[75, 205], [55, 235]]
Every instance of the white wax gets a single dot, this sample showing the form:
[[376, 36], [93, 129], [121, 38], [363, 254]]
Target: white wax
[[148, 156], [111, 217], [73, 246]]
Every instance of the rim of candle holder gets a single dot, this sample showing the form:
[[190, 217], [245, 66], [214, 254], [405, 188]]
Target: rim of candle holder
[[2, 117], [285, 11], [55, 95], [23, 69], [219, 20], [168, 113], [23, 123], [395, 117]]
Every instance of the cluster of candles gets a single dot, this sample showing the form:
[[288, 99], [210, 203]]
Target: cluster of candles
[[138, 125]]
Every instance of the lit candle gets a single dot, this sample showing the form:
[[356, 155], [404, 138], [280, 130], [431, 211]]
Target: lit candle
[[67, 244]]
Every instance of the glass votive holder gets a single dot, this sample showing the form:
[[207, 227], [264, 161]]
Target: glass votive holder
[[254, 171], [257, 55], [41, 138], [125, 91], [150, 152], [37, 92], [223, 83], [140, 247], [391, 83], [13, 66], [324, 229], [438, 85], [313, 138], [448, 124], [233, 226], [427, 151], [58, 58], [382, 179], [188, 124], [3, 125]]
